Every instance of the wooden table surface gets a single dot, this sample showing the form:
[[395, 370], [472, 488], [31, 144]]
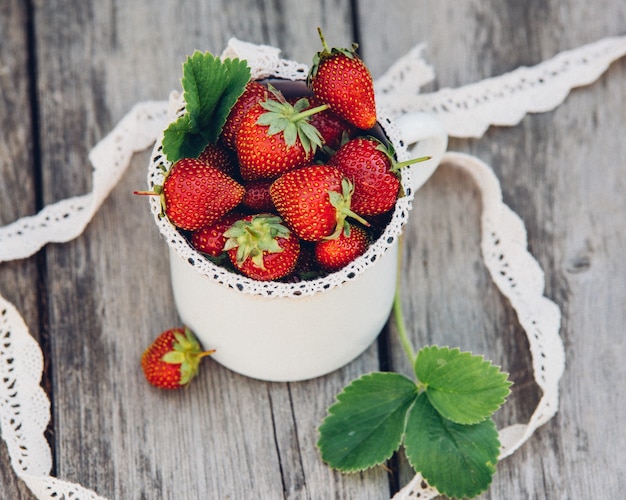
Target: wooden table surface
[[69, 70]]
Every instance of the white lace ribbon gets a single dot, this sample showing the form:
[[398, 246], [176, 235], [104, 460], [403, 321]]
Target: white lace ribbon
[[65, 220], [503, 100], [24, 407]]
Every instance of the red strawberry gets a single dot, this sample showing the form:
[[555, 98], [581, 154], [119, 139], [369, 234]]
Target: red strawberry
[[261, 247], [331, 127], [335, 254], [172, 360], [196, 195], [366, 163], [314, 201], [253, 93], [339, 78], [372, 168], [219, 157], [210, 239], [257, 198], [275, 137]]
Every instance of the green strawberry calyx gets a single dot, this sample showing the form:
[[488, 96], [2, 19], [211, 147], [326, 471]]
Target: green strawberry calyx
[[389, 150], [292, 121], [341, 202], [327, 53], [254, 237], [187, 353]]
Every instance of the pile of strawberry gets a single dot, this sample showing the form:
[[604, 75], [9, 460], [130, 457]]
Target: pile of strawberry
[[291, 187]]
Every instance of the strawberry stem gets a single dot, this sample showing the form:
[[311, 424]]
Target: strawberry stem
[[309, 112], [406, 163], [324, 44], [206, 353], [158, 191], [398, 314], [357, 217]]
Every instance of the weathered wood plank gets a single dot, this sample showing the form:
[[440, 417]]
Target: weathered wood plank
[[562, 173], [18, 280], [227, 436], [105, 295]]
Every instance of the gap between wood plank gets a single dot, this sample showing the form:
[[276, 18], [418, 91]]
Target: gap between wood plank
[[42, 269]]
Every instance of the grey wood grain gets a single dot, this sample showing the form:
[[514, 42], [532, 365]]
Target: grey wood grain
[[96, 302], [19, 280], [562, 172], [227, 436]]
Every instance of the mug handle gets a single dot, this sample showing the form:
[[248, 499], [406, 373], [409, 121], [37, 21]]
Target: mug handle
[[424, 135]]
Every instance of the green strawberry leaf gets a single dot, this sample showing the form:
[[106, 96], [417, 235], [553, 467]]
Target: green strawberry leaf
[[211, 87], [458, 460], [462, 387], [365, 427], [238, 76], [180, 142]]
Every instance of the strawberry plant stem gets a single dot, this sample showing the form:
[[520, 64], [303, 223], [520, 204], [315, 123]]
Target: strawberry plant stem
[[309, 112], [206, 353], [398, 166], [398, 314], [323, 40]]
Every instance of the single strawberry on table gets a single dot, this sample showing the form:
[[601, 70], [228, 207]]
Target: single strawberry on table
[[262, 247], [314, 201], [172, 360], [275, 137], [334, 254], [195, 194], [339, 78]]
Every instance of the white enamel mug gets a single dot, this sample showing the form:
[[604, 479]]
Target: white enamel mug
[[298, 336]]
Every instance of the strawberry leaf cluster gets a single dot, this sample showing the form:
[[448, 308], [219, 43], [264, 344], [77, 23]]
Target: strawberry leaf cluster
[[211, 87], [444, 420]]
